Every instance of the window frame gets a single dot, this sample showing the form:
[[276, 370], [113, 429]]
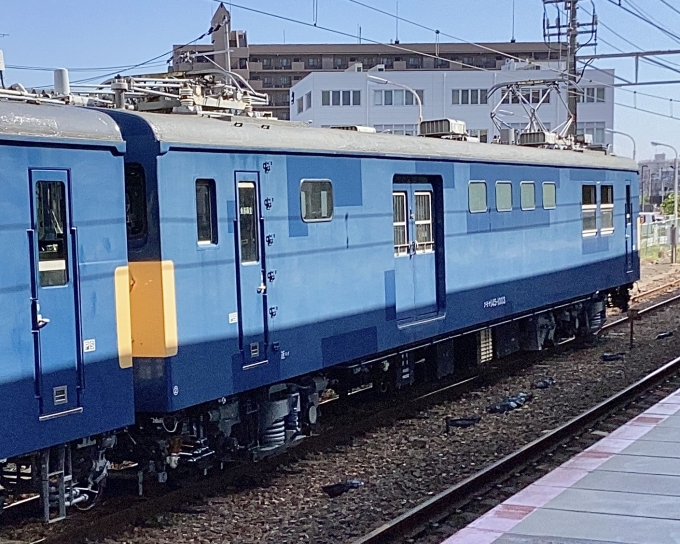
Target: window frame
[[424, 247], [135, 168], [214, 226], [590, 208], [400, 250], [303, 205], [522, 184], [554, 188], [508, 183], [486, 198], [608, 208], [53, 271], [251, 185]]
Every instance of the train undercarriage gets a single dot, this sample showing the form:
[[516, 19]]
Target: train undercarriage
[[265, 422]]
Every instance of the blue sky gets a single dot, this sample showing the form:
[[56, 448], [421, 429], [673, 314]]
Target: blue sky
[[80, 34]]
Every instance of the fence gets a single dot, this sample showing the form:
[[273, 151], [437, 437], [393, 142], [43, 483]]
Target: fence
[[655, 241]]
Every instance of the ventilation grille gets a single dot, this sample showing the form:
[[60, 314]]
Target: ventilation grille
[[485, 346]]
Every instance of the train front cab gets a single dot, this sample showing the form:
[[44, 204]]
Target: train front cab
[[65, 374]]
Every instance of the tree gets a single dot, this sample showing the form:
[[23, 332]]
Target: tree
[[668, 204]]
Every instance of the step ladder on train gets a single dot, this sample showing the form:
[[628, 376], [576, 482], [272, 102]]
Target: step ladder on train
[[57, 482]]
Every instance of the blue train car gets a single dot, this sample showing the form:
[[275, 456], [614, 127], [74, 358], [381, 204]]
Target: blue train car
[[66, 369], [266, 259]]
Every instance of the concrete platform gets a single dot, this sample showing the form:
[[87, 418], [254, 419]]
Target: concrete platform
[[623, 489]]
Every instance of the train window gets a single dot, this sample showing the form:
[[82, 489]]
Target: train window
[[399, 222], [549, 195], [424, 234], [527, 195], [135, 200], [316, 200], [477, 196], [607, 209], [503, 196], [51, 223], [589, 210], [206, 211], [248, 222]]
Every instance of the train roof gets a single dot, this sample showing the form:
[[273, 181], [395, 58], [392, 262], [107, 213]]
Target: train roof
[[237, 134], [19, 120]]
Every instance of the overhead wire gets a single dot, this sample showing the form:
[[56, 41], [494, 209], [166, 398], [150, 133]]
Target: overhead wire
[[508, 55], [676, 10], [405, 49], [646, 20]]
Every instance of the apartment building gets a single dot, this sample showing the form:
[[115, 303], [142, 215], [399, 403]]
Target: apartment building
[[386, 101], [276, 68]]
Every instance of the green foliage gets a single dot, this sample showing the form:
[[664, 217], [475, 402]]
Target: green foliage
[[668, 204]]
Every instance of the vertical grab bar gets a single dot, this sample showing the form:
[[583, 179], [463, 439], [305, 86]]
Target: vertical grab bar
[[80, 364]]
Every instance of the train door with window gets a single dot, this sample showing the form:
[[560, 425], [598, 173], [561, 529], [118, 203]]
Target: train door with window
[[54, 290], [250, 262], [415, 252]]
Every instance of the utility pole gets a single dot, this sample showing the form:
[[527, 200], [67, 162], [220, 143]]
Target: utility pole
[[570, 30]]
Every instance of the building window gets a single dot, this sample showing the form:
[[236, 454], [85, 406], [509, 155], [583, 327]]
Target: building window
[[316, 200], [413, 62], [588, 210], [284, 81], [549, 195], [399, 224], [503, 196], [387, 98], [469, 96], [591, 94], [607, 209], [527, 195], [481, 133], [308, 100], [406, 130], [266, 64], [268, 81], [206, 211], [135, 201], [397, 97], [340, 98], [477, 196], [52, 229], [594, 129], [313, 62], [248, 222], [285, 63], [300, 105]]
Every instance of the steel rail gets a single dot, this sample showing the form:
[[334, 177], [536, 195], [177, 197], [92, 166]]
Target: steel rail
[[443, 503]]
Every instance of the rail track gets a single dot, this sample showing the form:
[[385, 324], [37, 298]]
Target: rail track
[[419, 521], [120, 514]]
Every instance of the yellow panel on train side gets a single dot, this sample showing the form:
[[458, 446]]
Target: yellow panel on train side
[[123, 323], [153, 309]]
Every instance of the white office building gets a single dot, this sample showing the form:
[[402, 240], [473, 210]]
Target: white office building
[[357, 97]]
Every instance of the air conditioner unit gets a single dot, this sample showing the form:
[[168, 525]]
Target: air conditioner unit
[[443, 127]]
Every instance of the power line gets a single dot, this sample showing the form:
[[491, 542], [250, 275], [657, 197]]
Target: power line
[[508, 55], [645, 19], [676, 10], [401, 48]]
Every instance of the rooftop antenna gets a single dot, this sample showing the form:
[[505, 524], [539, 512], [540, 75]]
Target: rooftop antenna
[[512, 40], [397, 23], [359, 32], [2, 69]]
